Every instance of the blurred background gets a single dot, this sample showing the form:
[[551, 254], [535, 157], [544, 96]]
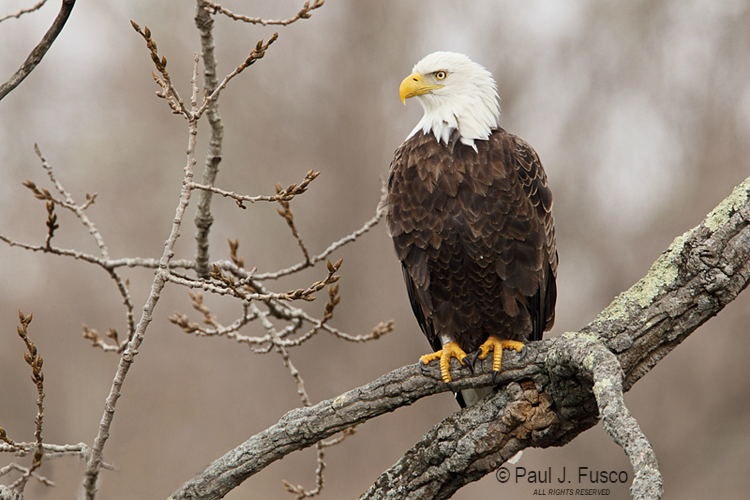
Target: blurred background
[[640, 112]]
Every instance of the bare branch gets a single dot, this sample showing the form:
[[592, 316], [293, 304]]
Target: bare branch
[[96, 340], [299, 491], [51, 223], [24, 11], [40, 50], [94, 462], [306, 426], [257, 53], [168, 90], [27, 473], [283, 195], [70, 203], [80, 450], [328, 251], [286, 212], [107, 265], [304, 13], [225, 285], [37, 376], [277, 309], [34, 360], [203, 218]]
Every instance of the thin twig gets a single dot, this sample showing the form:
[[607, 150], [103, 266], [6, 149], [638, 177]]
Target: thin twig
[[328, 251], [298, 490], [70, 203], [37, 376], [168, 90], [40, 50], [230, 331], [304, 13], [26, 472], [24, 11], [80, 450], [286, 212], [96, 340], [94, 462], [194, 84], [51, 223], [257, 53], [285, 194], [230, 287], [104, 263]]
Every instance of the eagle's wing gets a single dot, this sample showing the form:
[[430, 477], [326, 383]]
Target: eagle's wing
[[541, 305], [418, 298], [408, 215]]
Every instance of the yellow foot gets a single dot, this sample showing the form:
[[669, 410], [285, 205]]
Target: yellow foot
[[495, 344], [449, 350]]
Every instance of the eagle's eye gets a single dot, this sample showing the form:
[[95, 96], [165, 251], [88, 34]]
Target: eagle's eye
[[440, 75]]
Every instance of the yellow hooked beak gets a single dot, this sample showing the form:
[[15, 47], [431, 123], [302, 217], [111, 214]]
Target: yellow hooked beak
[[414, 85]]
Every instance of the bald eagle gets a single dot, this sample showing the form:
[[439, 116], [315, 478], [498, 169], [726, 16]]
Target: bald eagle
[[470, 213]]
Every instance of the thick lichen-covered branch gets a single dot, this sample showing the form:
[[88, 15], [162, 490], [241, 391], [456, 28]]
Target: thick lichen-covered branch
[[306, 426], [700, 273], [549, 398], [590, 358]]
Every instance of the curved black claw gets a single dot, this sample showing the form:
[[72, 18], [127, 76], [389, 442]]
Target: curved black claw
[[474, 359], [471, 366], [425, 369], [495, 373], [450, 386], [523, 353]]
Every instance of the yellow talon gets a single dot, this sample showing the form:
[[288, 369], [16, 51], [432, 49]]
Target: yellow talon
[[493, 343], [449, 350]]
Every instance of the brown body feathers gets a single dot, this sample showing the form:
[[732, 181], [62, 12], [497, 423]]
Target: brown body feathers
[[475, 235]]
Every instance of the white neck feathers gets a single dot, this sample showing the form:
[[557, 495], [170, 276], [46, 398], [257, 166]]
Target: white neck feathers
[[467, 101]]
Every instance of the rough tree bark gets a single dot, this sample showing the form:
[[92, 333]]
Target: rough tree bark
[[561, 388], [203, 218]]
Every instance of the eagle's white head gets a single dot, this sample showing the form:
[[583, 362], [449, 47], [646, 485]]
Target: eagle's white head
[[456, 93]]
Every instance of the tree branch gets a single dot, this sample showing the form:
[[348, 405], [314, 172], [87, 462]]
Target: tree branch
[[587, 355], [328, 251], [40, 50], [21, 12], [304, 13], [94, 462], [559, 390], [203, 218]]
